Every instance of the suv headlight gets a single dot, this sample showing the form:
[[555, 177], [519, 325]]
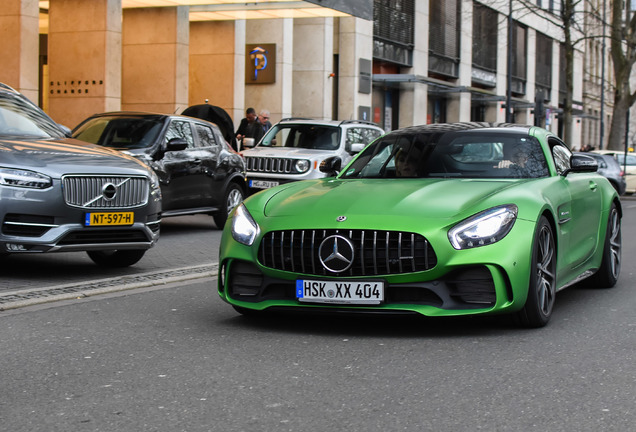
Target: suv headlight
[[244, 229], [24, 178], [302, 165], [155, 186], [484, 228]]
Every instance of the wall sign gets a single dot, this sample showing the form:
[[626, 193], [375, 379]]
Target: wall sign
[[260, 63]]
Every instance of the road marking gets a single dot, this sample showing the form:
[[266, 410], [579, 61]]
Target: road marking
[[34, 296]]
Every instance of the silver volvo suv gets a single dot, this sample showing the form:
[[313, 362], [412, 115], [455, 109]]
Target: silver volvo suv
[[293, 149], [59, 194]]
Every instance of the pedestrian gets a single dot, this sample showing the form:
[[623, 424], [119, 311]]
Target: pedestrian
[[249, 127], [263, 118]]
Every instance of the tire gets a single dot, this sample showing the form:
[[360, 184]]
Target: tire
[[116, 258], [233, 197], [542, 287], [607, 274]]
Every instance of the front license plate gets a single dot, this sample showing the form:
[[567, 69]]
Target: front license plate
[[340, 292], [262, 184], [114, 218]]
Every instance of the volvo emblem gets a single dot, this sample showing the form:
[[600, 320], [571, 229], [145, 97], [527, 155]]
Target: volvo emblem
[[336, 253], [341, 218], [109, 191]]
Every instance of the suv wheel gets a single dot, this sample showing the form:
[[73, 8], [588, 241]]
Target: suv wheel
[[233, 197]]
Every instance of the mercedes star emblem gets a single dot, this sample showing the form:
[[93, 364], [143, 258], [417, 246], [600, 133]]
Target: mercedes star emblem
[[336, 253]]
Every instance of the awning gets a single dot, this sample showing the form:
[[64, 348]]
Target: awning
[[216, 10]]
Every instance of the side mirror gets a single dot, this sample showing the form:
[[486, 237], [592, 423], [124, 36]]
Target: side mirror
[[176, 144], [330, 166], [66, 130], [248, 142], [357, 147], [582, 163]]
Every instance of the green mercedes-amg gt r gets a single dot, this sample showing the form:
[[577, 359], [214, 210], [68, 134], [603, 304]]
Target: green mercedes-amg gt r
[[438, 220]]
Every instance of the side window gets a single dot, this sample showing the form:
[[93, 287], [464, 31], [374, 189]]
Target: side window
[[361, 135], [180, 129], [205, 135], [561, 155]]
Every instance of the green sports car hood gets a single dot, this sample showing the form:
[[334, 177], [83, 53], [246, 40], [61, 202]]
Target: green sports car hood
[[435, 198]]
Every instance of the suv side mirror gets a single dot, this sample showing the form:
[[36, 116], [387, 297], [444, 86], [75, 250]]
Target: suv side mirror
[[331, 166], [357, 147], [176, 144]]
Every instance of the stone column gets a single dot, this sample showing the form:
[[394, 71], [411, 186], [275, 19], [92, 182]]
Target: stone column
[[275, 97], [413, 99], [313, 66], [20, 46], [155, 52], [84, 58], [356, 42]]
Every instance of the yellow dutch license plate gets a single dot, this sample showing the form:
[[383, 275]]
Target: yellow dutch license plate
[[113, 218]]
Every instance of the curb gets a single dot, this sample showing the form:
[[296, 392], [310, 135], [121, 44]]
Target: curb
[[29, 297]]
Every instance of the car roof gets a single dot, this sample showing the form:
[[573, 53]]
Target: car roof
[[333, 123], [465, 126], [145, 114]]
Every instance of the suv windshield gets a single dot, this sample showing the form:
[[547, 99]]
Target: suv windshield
[[470, 155], [19, 118], [120, 132], [302, 136]]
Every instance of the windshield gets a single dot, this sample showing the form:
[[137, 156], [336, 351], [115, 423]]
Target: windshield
[[302, 136], [466, 154], [120, 132], [18, 117]]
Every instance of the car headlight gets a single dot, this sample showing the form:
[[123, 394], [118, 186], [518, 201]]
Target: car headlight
[[484, 228], [24, 178], [155, 186], [302, 165], [244, 229]]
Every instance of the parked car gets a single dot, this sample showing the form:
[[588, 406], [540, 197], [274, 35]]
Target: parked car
[[629, 167], [437, 220], [197, 169], [293, 149], [58, 194], [609, 167]]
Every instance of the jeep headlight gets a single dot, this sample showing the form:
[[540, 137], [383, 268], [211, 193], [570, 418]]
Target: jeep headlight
[[302, 165], [244, 229], [24, 178], [484, 228]]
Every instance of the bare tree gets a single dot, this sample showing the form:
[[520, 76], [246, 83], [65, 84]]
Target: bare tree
[[623, 53]]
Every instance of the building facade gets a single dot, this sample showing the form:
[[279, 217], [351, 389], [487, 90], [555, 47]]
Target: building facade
[[393, 62]]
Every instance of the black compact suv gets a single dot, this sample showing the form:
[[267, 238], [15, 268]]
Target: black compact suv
[[197, 169]]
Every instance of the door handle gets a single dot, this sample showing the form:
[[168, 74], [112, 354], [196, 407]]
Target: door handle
[[593, 186]]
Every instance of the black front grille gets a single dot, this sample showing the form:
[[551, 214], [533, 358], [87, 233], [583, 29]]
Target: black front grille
[[270, 165], [106, 236], [375, 252], [27, 225]]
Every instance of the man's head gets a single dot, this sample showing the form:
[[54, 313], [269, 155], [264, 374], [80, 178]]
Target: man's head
[[263, 116], [250, 114]]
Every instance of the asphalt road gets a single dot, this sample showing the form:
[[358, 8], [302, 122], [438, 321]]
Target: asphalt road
[[173, 357]]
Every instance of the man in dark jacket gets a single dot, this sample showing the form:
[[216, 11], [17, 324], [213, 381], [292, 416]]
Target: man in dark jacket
[[250, 127]]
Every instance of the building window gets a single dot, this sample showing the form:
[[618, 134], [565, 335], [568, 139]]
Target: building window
[[393, 31], [485, 52], [519, 58], [543, 76], [444, 31]]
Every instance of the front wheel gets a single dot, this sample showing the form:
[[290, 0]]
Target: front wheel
[[542, 287], [116, 258], [233, 197]]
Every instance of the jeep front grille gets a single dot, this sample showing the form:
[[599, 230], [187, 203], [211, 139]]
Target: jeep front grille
[[105, 191], [375, 252], [270, 165]]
